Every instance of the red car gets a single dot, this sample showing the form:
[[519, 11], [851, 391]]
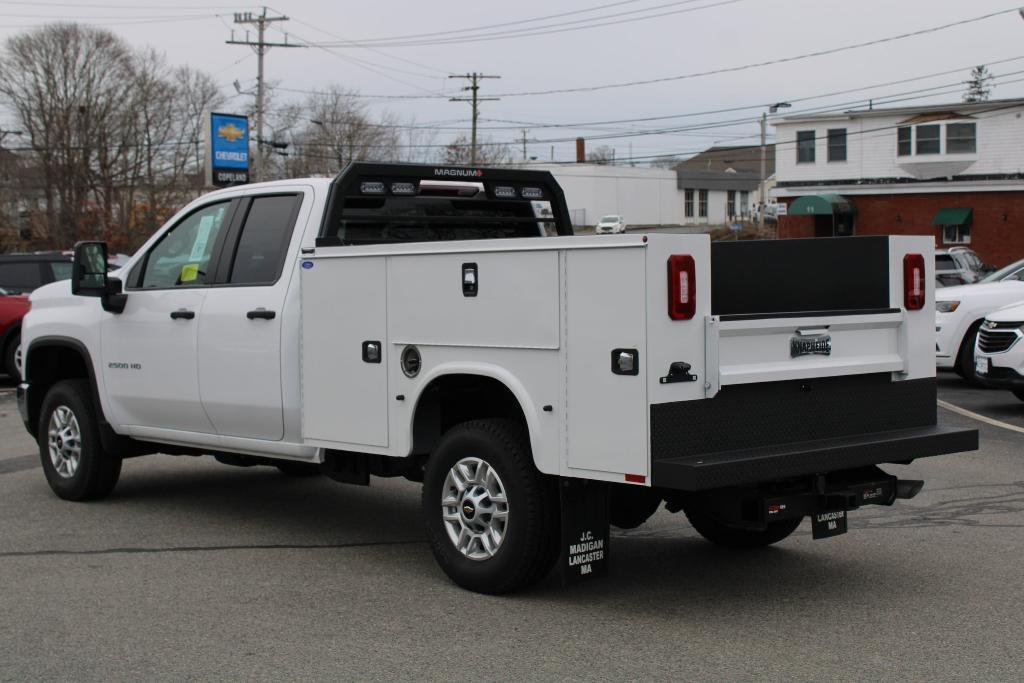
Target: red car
[[13, 308]]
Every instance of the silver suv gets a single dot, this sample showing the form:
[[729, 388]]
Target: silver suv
[[959, 266]]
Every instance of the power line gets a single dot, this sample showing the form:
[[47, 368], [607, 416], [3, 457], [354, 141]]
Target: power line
[[594, 22], [507, 23], [770, 62]]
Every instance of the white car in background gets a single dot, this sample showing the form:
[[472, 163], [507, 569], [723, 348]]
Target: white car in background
[[959, 312], [999, 356], [609, 225]]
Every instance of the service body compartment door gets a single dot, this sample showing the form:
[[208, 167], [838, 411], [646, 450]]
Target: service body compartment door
[[606, 310], [344, 388]]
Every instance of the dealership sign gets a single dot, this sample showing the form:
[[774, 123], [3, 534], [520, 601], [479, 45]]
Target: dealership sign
[[227, 160]]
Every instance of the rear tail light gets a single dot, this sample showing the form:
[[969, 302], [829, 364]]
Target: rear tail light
[[682, 287], [913, 282]]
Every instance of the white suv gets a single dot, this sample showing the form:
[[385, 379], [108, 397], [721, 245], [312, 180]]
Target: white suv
[[999, 355], [959, 312]]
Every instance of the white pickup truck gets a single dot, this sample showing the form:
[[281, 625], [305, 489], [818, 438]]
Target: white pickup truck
[[443, 325]]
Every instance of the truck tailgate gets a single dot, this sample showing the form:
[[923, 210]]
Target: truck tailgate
[[817, 357]]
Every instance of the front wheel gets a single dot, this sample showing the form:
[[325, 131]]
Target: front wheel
[[731, 537], [74, 461], [965, 357], [491, 517]]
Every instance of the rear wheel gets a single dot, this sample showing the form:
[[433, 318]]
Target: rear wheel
[[731, 537], [74, 461], [965, 359], [491, 517]]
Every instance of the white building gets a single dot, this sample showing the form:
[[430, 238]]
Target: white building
[[642, 196], [653, 196], [955, 171], [716, 197]]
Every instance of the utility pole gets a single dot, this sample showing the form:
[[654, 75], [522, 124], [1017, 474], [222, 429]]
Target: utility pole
[[524, 144], [474, 86], [764, 166], [260, 47]]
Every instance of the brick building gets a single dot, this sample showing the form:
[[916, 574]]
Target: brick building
[[953, 171]]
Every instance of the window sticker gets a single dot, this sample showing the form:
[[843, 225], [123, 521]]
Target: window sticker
[[202, 238], [189, 272]]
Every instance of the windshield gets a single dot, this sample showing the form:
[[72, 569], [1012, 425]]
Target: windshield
[[1002, 273], [610, 219]]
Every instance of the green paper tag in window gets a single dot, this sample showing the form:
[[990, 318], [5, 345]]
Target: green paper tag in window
[[189, 272]]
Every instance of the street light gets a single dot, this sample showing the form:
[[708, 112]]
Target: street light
[[764, 161]]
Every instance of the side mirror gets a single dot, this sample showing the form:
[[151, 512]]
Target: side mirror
[[89, 269], [89, 276]]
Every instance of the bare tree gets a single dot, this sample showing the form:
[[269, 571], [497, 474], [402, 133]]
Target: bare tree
[[458, 152], [65, 83], [601, 155], [114, 132], [331, 128]]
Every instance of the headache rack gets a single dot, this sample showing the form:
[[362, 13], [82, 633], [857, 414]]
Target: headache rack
[[392, 203]]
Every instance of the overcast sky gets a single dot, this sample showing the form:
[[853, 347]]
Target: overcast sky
[[685, 37]]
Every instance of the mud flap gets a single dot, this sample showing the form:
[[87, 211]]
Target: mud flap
[[585, 531]]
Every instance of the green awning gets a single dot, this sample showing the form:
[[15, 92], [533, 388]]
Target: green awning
[[820, 205], [953, 217]]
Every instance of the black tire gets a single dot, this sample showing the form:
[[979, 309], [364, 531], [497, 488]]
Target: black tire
[[631, 506], [97, 470], [965, 357], [10, 354], [529, 546], [298, 469], [741, 539]]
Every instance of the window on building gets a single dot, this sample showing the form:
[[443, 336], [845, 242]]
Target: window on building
[[688, 203], [837, 144], [744, 202], [805, 147], [702, 203], [956, 234], [730, 203], [961, 138], [929, 139], [904, 141]]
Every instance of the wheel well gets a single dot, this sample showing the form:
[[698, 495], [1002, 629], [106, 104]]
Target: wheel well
[[47, 365], [452, 399], [970, 328]]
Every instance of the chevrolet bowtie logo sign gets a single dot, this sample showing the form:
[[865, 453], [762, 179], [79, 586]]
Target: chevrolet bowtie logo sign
[[990, 325], [230, 132]]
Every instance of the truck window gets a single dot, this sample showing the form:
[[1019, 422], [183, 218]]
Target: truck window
[[377, 220], [264, 241], [182, 256]]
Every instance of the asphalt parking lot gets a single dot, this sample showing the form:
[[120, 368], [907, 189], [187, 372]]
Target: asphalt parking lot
[[197, 570]]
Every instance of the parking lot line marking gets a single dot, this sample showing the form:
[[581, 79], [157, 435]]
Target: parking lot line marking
[[980, 418]]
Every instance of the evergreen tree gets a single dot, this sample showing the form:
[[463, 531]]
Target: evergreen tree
[[979, 88]]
